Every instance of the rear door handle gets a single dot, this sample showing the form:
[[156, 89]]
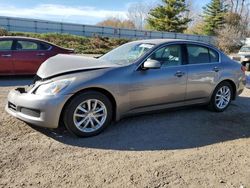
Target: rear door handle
[[216, 69], [179, 74], [6, 55], [40, 54]]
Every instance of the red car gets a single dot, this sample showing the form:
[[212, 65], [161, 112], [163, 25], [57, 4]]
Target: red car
[[23, 56]]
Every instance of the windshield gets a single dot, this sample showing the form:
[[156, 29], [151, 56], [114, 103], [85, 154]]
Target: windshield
[[127, 53], [245, 49]]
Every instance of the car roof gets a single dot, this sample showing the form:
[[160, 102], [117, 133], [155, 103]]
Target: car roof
[[162, 41], [27, 38]]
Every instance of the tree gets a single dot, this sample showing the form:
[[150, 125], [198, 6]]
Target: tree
[[138, 13], [197, 24], [196, 28], [229, 38], [237, 6], [236, 26], [171, 16], [116, 22], [213, 14], [3, 32], [234, 31], [240, 8]]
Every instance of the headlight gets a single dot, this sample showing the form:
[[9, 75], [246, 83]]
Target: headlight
[[53, 88]]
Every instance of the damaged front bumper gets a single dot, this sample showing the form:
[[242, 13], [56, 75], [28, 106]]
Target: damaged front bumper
[[35, 109]]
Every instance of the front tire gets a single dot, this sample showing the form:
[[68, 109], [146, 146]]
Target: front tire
[[88, 114], [221, 97]]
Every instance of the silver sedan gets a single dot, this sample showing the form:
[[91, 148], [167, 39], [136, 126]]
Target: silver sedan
[[86, 94]]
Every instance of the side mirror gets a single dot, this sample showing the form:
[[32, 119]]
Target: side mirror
[[151, 64]]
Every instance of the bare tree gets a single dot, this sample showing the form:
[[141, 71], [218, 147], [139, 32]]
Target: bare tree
[[116, 22], [237, 6], [242, 5], [197, 23], [236, 27], [138, 13], [229, 39]]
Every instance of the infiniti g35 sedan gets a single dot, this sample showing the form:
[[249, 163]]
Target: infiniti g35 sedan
[[24, 55], [86, 94]]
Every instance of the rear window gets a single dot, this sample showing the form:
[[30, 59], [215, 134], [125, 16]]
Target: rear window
[[44, 46], [214, 56], [200, 54], [5, 45], [26, 45]]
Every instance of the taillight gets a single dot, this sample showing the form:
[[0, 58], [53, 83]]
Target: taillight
[[243, 68]]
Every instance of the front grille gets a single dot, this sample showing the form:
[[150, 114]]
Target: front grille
[[21, 90], [12, 106]]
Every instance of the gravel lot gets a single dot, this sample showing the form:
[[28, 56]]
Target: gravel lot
[[189, 147]]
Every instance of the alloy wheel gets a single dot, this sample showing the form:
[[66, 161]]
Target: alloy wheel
[[223, 97], [90, 115]]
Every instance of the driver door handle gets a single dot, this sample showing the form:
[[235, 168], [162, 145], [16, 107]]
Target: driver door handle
[[179, 74], [6, 55], [40, 54], [216, 69]]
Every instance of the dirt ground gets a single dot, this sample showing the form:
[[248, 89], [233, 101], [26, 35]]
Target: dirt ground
[[189, 147]]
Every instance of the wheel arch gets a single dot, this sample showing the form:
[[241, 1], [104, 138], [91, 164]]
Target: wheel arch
[[232, 83], [97, 89]]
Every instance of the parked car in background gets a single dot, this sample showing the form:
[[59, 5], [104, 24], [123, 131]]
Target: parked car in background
[[23, 55], [243, 55], [87, 94]]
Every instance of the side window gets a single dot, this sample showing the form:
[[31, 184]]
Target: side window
[[197, 54], [5, 45], [214, 56], [26, 45], [44, 46], [168, 56]]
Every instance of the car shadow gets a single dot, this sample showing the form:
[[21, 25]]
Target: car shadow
[[10, 81], [185, 128]]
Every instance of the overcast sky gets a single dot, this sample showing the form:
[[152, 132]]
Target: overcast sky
[[76, 11]]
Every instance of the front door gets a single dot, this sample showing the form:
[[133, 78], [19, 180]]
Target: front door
[[166, 85]]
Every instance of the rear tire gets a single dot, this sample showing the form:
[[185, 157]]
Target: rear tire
[[222, 97], [88, 114]]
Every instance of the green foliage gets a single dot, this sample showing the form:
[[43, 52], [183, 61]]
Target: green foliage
[[213, 14], [3, 32], [196, 29], [171, 16], [92, 45]]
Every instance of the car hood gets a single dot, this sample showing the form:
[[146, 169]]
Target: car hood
[[65, 64]]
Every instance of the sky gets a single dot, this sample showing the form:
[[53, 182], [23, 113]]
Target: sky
[[74, 11]]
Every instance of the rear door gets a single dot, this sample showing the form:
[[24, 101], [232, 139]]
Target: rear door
[[6, 58], [29, 55], [203, 71]]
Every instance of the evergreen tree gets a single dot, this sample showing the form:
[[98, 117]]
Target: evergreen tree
[[213, 14], [171, 16]]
